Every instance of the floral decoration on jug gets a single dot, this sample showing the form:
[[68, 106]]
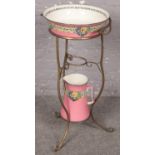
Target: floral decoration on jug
[[74, 95]]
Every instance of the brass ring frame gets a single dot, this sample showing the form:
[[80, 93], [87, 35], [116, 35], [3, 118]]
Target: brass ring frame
[[61, 73]]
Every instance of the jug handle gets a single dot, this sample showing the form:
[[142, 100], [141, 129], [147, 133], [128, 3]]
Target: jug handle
[[90, 91]]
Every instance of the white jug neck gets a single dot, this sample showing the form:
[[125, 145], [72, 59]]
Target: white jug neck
[[75, 79]]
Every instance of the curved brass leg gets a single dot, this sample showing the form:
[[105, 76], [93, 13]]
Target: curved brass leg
[[61, 72], [102, 86]]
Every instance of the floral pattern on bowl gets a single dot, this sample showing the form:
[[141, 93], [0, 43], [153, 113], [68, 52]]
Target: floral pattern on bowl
[[82, 31], [75, 31]]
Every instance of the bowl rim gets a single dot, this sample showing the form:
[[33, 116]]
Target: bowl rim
[[74, 25]]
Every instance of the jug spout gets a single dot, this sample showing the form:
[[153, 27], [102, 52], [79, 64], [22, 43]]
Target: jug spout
[[75, 79]]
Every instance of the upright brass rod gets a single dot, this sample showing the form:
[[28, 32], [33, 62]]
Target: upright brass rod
[[60, 72], [101, 89], [65, 57]]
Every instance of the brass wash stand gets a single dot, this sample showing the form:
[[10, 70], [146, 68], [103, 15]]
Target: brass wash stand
[[66, 65]]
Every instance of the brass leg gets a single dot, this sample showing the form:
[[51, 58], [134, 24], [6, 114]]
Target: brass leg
[[102, 86], [61, 72]]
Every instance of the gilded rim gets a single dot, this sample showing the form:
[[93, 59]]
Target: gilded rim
[[78, 25]]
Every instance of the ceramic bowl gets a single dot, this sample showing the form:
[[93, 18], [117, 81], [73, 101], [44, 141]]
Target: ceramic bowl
[[76, 21]]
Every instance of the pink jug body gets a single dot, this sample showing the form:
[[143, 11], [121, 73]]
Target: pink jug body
[[75, 102]]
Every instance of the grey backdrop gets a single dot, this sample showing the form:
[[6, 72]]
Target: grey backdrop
[[46, 58], [82, 135]]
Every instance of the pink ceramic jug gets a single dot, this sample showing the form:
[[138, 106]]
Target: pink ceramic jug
[[76, 96]]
